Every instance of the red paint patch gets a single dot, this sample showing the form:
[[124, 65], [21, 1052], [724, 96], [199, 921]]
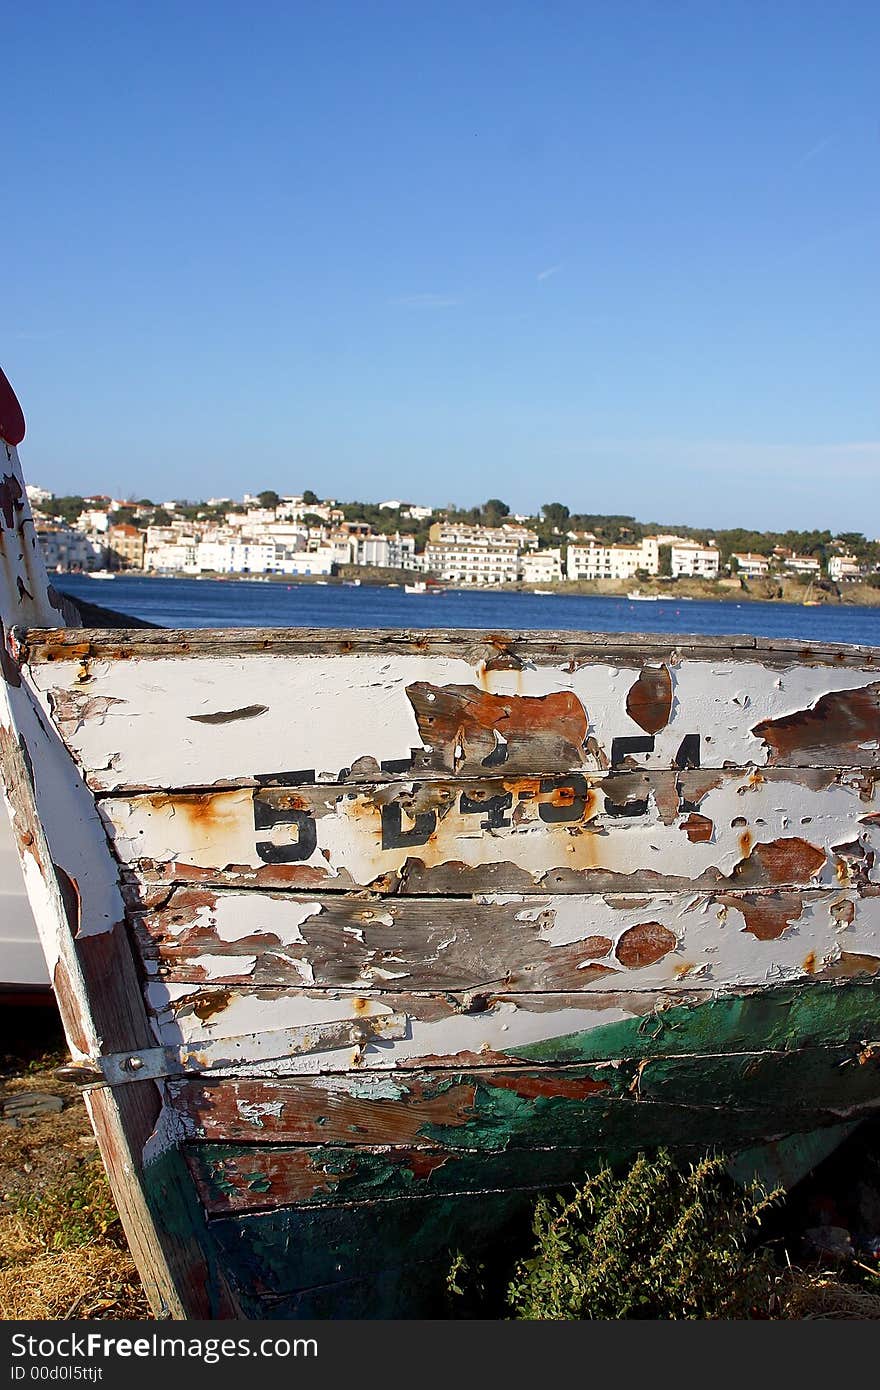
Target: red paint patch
[[698, 828], [532, 1087], [837, 726], [11, 416], [779, 861], [649, 701], [767, 915]]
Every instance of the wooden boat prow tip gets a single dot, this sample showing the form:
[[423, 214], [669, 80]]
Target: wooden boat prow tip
[[362, 939]]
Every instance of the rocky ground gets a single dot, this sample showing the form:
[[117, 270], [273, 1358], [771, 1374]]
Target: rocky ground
[[63, 1254]]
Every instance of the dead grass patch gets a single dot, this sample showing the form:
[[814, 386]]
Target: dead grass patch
[[62, 1249]]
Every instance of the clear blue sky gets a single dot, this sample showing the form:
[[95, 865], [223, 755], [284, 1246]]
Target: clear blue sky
[[617, 253]]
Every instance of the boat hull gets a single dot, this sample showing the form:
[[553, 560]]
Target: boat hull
[[363, 939]]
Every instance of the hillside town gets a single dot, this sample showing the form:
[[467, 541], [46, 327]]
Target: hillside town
[[303, 536]]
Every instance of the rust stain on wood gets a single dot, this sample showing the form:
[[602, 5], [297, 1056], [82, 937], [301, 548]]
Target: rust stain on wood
[[767, 915], [698, 828], [836, 727], [465, 726], [644, 944], [778, 861], [649, 701], [850, 964], [206, 1005]]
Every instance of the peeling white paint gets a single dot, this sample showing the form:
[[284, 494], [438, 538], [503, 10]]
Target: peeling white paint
[[254, 1112]]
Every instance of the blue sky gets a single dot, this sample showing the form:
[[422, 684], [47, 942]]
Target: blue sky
[[617, 253]]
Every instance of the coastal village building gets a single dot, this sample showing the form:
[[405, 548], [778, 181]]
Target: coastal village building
[[38, 496], [67, 549], [463, 533], [320, 560], [802, 564], [93, 519], [126, 544], [751, 566], [169, 557], [295, 509], [542, 566], [688, 560], [844, 567], [389, 552], [462, 562], [597, 561], [407, 509]]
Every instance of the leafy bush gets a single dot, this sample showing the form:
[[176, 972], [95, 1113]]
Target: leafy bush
[[659, 1242]]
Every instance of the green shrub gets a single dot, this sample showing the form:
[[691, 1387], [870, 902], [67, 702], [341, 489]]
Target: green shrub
[[658, 1242]]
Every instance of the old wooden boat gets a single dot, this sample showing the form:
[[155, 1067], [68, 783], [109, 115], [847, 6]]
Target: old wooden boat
[[361, 939]]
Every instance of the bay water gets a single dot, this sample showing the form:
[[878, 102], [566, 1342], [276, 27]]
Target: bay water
[[199, 603]]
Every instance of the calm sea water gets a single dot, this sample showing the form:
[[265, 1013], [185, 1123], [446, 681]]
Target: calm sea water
[[193, 603]]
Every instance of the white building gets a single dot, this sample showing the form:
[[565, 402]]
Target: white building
[[237, 556], [67, 549], [471, 563], [93, 519], [751, 566], [389, 552], [318, 561], [844, 567], [541, 566], [294, 509], [38, 496], [597, 561], [689, 560], [178, 555], [463, 533], [251, 521], [803, 564]]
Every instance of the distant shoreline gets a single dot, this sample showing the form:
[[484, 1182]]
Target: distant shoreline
[[782, 591]]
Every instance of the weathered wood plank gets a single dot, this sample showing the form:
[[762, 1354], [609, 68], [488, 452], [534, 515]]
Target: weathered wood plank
[[73, 887], [626, 831], [53, 644], [372, 1260], [501, 1108], [514, 942], [495, 1028], [529, 1131], [212, 720], [263, 1177]]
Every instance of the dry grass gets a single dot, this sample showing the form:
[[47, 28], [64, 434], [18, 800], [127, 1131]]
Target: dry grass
[[93, 1281], [62, 1250], [821, 1294]]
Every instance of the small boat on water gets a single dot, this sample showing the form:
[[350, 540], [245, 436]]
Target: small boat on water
[[418, 586], [362, 939], [99, 574], [808, 601], [636, 596]]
